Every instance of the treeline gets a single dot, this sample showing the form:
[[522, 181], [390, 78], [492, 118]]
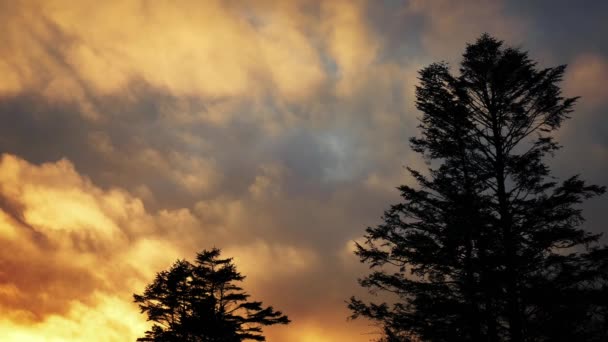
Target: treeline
[[488, 246]]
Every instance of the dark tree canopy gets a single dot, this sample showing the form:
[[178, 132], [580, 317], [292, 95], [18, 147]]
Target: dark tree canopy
[[489, 246], [201, 302]]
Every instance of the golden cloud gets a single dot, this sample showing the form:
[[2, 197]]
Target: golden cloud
[[211, 48], [271, 129], [73, 253]]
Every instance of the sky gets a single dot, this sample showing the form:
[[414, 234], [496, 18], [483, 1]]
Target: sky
[[134, 133]]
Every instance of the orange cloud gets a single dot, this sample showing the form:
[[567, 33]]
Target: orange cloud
[[274, 130], [350, 42], [73, 253], [206, 48], [586, 77]]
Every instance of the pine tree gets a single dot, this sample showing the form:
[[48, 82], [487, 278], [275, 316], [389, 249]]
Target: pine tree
[[488, 246], [202, 302]]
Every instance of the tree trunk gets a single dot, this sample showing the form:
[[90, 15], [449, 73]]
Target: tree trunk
[[510, 256]]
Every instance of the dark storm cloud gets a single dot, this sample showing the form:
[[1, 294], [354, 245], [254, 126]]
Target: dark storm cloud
[[562, 27]]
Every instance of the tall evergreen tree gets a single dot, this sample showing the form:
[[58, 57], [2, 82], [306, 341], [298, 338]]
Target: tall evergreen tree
[[488, 246], [202, 302]]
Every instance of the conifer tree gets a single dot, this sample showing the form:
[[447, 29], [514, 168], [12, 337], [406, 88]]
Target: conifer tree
[[202, 302], [488, 246]]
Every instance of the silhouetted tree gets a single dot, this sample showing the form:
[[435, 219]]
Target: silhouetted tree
[[202, 302], [488, 247]]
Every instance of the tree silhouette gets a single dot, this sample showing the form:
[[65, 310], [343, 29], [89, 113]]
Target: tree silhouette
[[488, 247], [201, 302]]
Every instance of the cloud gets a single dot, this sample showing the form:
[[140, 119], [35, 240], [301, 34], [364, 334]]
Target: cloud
[[450, 24], [54, 253], [73, 253], [111, 316], [168, 46], [586, 77], [351, 43], [138, 132]]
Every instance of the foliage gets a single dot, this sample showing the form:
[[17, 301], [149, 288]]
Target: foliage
[[202, 302], [488, 246]]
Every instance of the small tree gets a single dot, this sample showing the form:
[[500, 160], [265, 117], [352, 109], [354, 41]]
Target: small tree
[[202, 302], [489, 246]]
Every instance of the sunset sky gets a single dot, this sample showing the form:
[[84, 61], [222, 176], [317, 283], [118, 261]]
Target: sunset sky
[[134, 133]]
